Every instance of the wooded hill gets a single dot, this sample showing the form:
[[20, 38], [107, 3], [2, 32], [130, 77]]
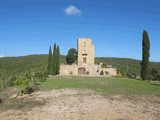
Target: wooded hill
[[14, 66]]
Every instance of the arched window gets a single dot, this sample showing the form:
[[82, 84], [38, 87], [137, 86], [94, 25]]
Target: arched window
[[84, 60], [82, 70]]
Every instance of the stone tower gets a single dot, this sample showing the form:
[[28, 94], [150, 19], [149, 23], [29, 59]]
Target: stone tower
[[85, 51]]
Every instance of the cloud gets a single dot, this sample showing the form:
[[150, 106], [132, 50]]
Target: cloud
[[1, 56], [72, 10]]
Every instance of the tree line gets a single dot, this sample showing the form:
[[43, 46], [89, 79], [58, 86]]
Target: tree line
[[53, 67]]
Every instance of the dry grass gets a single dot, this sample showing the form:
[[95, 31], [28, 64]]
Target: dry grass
[[25, 102], [78, 104]]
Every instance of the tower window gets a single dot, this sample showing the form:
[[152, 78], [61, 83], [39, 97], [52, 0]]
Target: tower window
[[84, 60], [84, 44]]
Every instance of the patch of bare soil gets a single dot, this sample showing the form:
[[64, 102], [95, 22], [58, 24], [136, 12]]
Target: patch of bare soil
[[76, 104]]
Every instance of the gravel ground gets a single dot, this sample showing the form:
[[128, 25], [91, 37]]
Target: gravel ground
[[76, 104]]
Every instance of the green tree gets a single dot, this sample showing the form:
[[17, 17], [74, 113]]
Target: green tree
[[54, 60], [58, 61], [145, 56], [22, 83], [40, 76], [71, 56], [49, 68], [154, 74]]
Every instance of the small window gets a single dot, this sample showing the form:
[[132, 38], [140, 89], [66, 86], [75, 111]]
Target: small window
[[84, 44], [84, 60]]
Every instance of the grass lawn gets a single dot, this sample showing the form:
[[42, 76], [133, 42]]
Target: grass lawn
[[103, 85]]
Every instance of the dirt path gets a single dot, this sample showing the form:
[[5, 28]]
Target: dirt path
[[75, 104]]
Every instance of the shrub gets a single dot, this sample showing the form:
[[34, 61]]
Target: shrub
[[21, 82], [30, 88], [158, 77], [11, 81], [1, 100], [104, 65], [106, 72], [119, 75], [71, 73], [101, 73], [97, 70], [87, 73], [27, 90], [154, 74], [131, 75], [40, 76]]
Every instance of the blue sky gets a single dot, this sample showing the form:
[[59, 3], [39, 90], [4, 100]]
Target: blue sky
[[115, 26]]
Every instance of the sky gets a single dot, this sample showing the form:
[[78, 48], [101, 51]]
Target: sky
[[115, 26]]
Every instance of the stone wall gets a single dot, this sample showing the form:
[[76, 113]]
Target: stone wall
[[68, 70], [109, 71], [92, 70]]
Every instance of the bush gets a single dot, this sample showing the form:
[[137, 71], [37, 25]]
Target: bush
[[1, 100], [87, 73], [21, 82], [101, 73], [11, 81], [71, 73], [104, 65], [119, 75], [106, 72], [158, 77], [30, 88], [40, 76], [97, 70], [27, 90], [154, 74], [131, 75]]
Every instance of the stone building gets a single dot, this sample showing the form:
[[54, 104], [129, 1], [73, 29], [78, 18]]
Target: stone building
[[85, 51], [85, 62]]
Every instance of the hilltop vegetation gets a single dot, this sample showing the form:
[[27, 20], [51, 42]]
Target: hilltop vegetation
[[14, 66]]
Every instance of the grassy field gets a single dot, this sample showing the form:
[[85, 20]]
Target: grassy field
[[104, 86]]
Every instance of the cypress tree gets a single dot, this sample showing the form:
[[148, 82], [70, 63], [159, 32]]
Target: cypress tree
[[49, 67], [145, 56], [58, 61], [54, 60]]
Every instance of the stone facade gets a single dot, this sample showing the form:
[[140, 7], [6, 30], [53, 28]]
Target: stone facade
[[85, 51], [85, 63], [78, 70]]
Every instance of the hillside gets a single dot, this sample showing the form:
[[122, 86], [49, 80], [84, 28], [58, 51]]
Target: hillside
[[13, 66]]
